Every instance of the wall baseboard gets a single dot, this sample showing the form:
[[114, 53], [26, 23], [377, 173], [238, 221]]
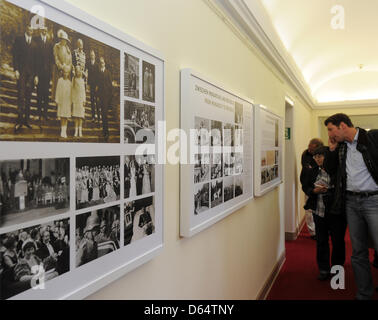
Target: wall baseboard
[[272, 277], [291, 236]]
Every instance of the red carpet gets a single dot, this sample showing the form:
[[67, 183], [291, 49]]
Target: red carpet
[[297, 278]]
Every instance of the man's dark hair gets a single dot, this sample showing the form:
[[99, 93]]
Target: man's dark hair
[[337, 118], [320, 150]]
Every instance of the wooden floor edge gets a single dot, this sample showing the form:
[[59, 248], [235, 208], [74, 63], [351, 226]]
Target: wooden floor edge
[[272, 277]]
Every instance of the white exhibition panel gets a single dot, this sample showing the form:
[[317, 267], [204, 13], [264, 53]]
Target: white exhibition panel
[[81, 281], [268, 150], [217, 177]]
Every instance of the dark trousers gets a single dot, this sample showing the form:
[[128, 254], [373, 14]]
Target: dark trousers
[[104, 115], [25, 87], [94, 104], [43, 95], [334, 226]]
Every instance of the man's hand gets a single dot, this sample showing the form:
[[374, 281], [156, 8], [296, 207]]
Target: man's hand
[[318, 190], [36, 80], [332, 144], [17, 75]]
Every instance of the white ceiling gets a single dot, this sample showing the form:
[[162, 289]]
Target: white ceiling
[[329, 66]]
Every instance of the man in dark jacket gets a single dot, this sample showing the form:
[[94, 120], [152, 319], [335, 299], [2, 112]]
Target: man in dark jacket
[[355, 159], [308, 163], [23, 54], [318, 185], [43, 67], [93, 69], [104, 91]]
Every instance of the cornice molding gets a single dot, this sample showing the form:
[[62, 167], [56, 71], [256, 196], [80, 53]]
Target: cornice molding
[[251, 25]]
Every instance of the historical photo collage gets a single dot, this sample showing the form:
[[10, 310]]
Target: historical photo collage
[[270, 159], [218, 164], [58, 85]]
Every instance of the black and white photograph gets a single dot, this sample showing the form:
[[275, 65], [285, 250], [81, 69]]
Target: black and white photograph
[[57, 85], [229, 164], [32, 256], [139, 175], [216, 193], [228, 135], [148, 81], [238, 186], [216, 133], [33, 189], [202, 168], [139, 124], [97, 181], [201, 198], [216, 166], [97, 233], [202, 127], [131, 81], [238, 136], [238, 113], [228, 186], [139, 219], [238, 163]]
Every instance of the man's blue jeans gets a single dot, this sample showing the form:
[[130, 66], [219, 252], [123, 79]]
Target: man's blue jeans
[[362, 216]]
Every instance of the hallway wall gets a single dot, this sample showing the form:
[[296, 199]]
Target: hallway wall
[[234, 258]]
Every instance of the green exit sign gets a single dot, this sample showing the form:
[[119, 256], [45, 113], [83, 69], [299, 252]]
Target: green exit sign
[[287, 133]]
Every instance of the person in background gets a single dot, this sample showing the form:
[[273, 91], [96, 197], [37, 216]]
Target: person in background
[[63, 100], [93, 69], [354, 156], [308, 163], [43, 67], [23, 65], [319, 187], [78, 100]]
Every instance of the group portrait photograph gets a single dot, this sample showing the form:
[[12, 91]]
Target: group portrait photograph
[[57, 85]]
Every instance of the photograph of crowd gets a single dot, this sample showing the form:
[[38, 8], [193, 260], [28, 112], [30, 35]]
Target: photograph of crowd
[[201, 198], [228, 185], [238, 186], [139, 175], [228, 135], [33, 188], [97, 181], [269, 174], [97, 234], [33, 255], [216, 193], [201, 168], [139, 219], [57, 84], [238, 136], [202, 127], [238, 163], [238, 113], [131, 82], [139, 124], [216, 133], [148, 81], [229, 164], [216, 166]]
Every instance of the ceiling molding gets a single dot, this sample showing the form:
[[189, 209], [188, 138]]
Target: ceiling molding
[[246, 21], [254, 23]]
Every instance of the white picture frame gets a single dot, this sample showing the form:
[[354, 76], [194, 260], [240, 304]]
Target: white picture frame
[[81, 281], [268, 150], [211, 192]]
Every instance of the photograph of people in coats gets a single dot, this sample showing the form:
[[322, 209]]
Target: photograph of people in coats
[[54, 87]]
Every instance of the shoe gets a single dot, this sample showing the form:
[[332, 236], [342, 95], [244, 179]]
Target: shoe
[[17, 128], [323, 275]]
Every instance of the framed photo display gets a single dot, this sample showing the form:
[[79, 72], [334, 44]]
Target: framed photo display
[[268, 150], [81, 187], [216, 174]]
